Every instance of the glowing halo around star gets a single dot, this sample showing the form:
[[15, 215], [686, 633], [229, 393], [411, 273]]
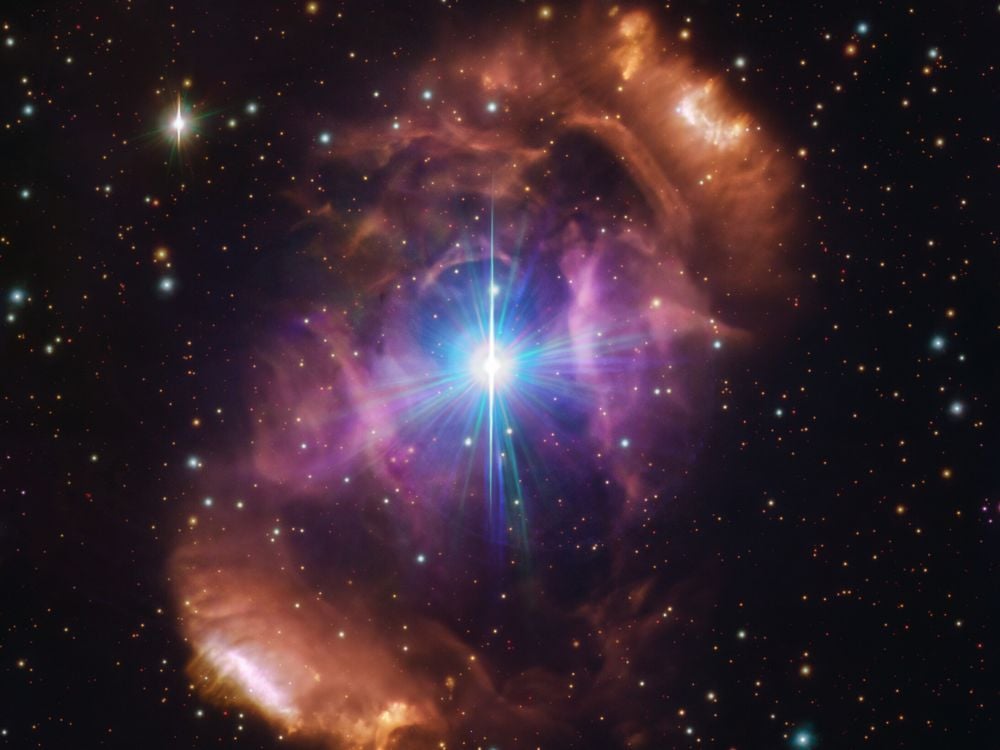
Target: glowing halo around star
[[181, 124]]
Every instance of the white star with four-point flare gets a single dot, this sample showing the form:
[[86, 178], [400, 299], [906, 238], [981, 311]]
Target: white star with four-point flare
[[178, 124]]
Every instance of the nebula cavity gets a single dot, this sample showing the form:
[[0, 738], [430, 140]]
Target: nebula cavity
[[527, 274]]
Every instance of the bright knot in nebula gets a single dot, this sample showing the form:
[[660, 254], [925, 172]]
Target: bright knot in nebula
[[488, 388]]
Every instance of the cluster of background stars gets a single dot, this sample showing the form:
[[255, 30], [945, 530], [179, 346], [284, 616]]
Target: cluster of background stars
[[832, 550]]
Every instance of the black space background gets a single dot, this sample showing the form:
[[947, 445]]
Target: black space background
[[83, 600]]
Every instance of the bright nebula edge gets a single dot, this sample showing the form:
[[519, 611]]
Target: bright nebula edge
[[514, 365]]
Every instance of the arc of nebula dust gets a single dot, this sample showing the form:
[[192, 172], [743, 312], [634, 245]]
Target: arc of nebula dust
[[639, 221]]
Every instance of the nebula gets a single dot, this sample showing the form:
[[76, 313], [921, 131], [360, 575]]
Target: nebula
[[532, 268]]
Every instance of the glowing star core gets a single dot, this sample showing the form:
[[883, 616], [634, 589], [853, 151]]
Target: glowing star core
[[489, 366], [178, 124], [492, 365]]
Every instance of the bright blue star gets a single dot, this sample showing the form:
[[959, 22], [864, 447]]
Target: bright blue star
[[803, 738]]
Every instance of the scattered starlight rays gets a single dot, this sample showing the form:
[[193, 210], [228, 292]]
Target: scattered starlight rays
[[493, 365], [180, 124]]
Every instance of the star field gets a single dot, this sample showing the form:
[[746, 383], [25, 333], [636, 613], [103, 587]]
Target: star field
[[527, 375]]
